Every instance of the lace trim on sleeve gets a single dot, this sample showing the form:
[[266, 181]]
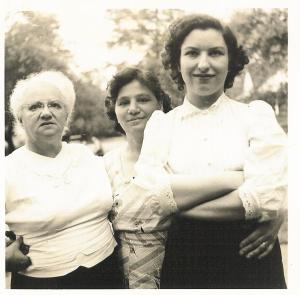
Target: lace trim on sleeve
[[165, 195], [157, 182], [250, 205]]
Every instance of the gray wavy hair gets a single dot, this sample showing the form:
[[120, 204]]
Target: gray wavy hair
[[55, 78]]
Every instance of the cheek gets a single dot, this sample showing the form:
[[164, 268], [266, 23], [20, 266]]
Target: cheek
[[119, 115]]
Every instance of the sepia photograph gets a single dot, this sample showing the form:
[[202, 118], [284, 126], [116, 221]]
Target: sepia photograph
[[146, 145]]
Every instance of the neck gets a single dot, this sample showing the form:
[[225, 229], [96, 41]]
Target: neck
[[134, 145], [203, 102], [47, 149]]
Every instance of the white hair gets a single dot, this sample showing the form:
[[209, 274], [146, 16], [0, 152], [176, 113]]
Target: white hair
[[55, 78]]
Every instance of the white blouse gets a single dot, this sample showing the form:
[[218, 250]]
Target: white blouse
[[229, 135], [59, 206]]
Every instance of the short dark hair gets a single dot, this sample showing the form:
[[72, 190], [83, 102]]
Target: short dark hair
[[124, 77], [178, 31]]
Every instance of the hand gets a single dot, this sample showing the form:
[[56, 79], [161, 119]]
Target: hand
[[261, 241], [15, 260]]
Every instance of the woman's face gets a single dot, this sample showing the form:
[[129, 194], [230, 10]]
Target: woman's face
[[43, 113], [134, 106], [204, 63]]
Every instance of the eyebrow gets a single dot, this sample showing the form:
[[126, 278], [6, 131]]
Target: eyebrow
[[138, 95], [197, 48]]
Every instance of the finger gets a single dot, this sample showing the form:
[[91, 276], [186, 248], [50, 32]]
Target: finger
[[8, 242], [250, 239], [265, 253], [24, 248], [26, 262], [250, 247], [258, 250], [23, 263], [18, 242]]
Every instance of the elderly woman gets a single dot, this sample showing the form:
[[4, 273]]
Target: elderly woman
[[211, 132], [58, 195], [145, 195]]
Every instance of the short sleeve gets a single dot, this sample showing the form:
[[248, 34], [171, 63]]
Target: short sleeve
[[265, 168]]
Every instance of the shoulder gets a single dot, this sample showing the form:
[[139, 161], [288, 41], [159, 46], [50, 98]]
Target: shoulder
[[111, 158], [15, 157], [260, 107], [80, 153], [256, 108]]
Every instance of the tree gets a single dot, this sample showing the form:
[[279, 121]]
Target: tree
[[31, 45], [89, 118], [263, 34], [265, 37], [144, 30]]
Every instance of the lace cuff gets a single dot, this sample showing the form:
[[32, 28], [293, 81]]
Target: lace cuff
[[165, 196], [158, 183], [250, 205]]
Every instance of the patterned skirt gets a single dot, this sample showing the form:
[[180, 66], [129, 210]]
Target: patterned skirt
[[141, 256]]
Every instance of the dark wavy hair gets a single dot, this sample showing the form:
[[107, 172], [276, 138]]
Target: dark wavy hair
[[178, 31], [126, 76]]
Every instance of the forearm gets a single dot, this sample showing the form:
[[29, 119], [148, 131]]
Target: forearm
[[226, 208], [192, 190]]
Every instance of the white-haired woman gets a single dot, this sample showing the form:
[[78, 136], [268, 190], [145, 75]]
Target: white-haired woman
[[58, 195]]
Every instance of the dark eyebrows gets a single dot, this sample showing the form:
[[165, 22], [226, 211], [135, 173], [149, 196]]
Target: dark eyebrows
[[211, 48], [143, 95], [190, 48], [218, 47], [122, 98]]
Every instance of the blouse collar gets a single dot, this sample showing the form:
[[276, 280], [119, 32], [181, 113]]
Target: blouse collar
[[189, 110], [46, 165]]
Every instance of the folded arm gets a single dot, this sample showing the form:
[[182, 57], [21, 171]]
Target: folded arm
[[192, 190]]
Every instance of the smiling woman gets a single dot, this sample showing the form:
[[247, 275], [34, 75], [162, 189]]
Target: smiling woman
[[204, 66]]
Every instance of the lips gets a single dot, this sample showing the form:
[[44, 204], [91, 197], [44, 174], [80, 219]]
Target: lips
[[204, 76], [134, 119], [47, 123]]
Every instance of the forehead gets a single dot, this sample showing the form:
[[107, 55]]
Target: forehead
[[41, 91], [133, 88], [204, 38]]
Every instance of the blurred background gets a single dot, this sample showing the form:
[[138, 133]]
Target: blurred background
[[89, 44]]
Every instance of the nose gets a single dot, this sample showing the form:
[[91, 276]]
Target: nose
[[203, 63], [46, 114], [133, 108]]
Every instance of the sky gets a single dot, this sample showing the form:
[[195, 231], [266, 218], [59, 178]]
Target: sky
[[85, 26], [87, 39]]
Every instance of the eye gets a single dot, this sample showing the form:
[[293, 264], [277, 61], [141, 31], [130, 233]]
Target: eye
[[144, 99], [55, 105], [122, 102], [216, 52], [191, 53], [35, 106]]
